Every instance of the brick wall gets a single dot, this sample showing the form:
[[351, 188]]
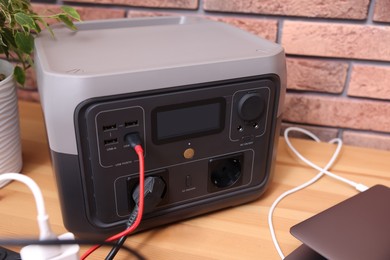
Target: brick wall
[[338, 55]]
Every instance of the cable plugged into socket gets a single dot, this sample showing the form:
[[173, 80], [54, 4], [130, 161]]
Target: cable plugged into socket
[[133, 139], [47, 252], [153, 193]]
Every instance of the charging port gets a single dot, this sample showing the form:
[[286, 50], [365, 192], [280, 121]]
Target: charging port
[[111, 141], [225, 172], [109, 127], [131, 123]]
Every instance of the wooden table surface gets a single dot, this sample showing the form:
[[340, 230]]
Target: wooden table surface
[[235, 233]]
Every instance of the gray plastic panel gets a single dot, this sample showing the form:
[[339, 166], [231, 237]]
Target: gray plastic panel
[[114, 57], [96, 51]]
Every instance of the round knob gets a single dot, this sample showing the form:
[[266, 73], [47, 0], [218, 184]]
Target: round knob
[[250, 107]]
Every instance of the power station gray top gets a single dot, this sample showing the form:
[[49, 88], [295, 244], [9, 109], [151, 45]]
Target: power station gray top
[[122, 56], [161, 43]]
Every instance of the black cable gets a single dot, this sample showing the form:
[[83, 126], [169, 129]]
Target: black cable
[[25, 242], [117, 246], [115, 249], [154, 188]]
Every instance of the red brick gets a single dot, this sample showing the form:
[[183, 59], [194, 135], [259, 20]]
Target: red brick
[[338, 112], [382, 11], [86, 13], [263, 28], [181, 4], [323, 133], [370, 81], [316, 75], [348, 9], [370, 140], [137, 14], [337, 40], [94, 13]]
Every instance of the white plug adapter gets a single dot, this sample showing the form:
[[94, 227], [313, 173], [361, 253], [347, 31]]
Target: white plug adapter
[[52, 252]]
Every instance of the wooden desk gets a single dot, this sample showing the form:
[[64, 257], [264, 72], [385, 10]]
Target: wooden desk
[[236, 233]]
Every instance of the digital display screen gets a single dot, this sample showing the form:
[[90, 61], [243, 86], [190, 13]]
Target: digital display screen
[[182, 121]]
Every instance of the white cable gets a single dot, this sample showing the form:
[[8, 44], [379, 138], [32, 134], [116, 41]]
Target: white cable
[[323, 171], [52, 252], [42, 217], [358, 186], [302, 186]]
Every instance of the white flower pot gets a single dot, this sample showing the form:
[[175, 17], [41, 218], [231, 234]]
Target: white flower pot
[[10, 143]]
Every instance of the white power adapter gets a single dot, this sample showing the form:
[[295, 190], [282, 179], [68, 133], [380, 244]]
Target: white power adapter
[[44, 252], [52, 252]]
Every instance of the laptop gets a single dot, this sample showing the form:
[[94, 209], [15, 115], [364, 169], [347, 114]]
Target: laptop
[[357, 228]]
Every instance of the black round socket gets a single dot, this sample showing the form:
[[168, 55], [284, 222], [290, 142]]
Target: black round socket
[[226, 173]]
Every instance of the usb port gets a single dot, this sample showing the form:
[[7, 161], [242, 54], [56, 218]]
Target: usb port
[[109, 127], [111, 141], [131, 123]]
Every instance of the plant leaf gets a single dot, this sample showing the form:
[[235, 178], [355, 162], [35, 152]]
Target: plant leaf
[[4, 47], [8, 37], [25, 21], [19, 75], [37, 28], [65, 19], [24, 42], [1, 41], [46, 25], [29, 60], [71, 12]]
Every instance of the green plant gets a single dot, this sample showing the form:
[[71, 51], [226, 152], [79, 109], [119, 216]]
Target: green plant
[[19, 25]]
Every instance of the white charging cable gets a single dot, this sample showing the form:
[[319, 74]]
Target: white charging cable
[[57, 252], [358, 186], [42, 217], [322, 171]]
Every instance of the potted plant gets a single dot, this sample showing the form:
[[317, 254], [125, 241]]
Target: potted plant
[[19, 25]]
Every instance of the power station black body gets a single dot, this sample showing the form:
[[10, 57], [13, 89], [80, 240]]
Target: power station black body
[[206, 101]]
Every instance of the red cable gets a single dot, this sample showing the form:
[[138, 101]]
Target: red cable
[[140, 152]]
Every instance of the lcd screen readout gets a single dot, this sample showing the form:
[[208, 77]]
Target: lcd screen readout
[[189, 120]]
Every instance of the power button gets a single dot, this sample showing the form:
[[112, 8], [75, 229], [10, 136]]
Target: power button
[[189, 153]]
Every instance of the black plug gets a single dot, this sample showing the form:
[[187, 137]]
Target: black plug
[[133, 139], [154, 188]]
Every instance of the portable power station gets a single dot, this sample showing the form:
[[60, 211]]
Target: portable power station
[[204, 97]]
